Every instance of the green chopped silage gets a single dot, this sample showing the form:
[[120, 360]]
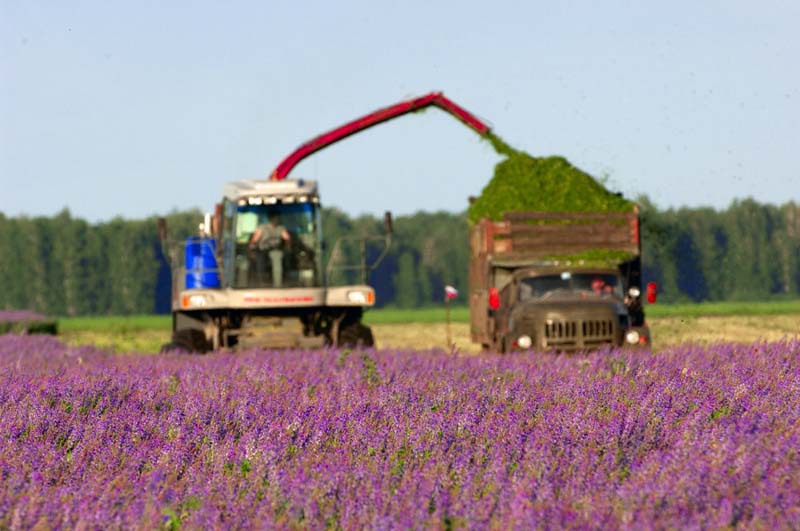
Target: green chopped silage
[[540, 184], [593, 258], [500, 145]]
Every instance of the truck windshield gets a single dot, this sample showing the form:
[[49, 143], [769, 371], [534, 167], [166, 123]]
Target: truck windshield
[[277, 246], [603, 284]]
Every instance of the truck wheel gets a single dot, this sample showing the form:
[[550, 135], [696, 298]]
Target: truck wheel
[[506, 347], [356, 335]]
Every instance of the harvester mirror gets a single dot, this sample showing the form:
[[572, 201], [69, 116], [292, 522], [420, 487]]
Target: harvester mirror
[[652, 292], [161, 225], [387, 222]]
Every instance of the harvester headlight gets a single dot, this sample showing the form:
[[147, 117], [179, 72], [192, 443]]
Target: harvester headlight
[[632, 337], [361, 297], [524, 341], [197, 300], [194, 301]]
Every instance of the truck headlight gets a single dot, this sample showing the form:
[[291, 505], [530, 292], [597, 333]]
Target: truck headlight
[[524, 341], [632, 337]]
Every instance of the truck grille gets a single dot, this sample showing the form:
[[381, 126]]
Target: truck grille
[[602, 328], [560, 330], [579, 334]]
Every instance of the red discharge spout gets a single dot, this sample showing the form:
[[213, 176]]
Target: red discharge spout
[[374, 118]]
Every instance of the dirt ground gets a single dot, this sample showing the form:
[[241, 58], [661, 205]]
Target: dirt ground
[[666, 331]]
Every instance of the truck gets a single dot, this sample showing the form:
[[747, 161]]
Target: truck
[[229, 291], [553, 281]]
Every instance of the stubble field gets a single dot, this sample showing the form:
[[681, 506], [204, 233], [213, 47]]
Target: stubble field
[[667, 332], [426, 330]]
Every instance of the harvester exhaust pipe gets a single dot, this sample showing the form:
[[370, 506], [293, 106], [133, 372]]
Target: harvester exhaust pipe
[[387, 222], [161, 226]]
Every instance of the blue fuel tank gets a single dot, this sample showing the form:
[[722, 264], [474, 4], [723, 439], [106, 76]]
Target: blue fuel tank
[[201, 263]]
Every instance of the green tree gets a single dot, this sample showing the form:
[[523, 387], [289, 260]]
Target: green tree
[[405, 282], [63, 265]]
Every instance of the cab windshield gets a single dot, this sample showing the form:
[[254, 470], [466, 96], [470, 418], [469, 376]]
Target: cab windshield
[[601, 284], [277, 246]]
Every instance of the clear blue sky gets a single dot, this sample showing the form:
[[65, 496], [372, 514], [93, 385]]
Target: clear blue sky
[[136, 108]]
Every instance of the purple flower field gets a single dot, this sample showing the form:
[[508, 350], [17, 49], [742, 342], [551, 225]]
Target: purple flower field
[[691, 437]]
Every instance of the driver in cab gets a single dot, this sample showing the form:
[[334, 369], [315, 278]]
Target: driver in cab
[[270, 239], [599, 287]]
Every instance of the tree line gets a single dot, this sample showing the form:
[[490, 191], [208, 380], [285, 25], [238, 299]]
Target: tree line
[[63, 265]]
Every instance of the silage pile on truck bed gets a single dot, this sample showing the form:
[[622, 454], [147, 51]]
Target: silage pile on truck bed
[[523, 183]]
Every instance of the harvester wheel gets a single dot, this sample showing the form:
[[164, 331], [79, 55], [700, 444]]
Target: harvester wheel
[[188, 340], [173, 347], [356, 335]]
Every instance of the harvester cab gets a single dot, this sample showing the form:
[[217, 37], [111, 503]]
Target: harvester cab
[[270, 235]]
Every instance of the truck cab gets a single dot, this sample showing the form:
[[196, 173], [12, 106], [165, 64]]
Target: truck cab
[[567, 309]]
